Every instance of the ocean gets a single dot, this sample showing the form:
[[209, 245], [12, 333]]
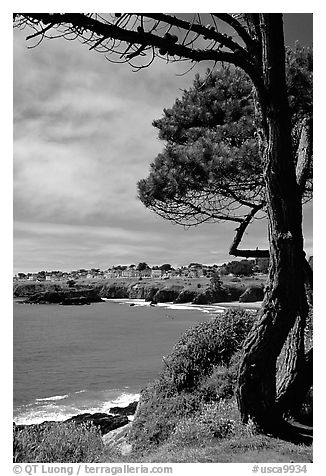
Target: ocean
[[76, 359]]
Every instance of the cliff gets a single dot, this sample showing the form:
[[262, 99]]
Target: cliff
[[176, 290]]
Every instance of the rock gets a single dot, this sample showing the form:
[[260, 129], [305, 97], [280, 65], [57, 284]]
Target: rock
[[103, 420], [252, 294], [186, 296], [203, 298], [66, 297], [167, 294], [115, 291], [118, 439], [149, 293], [128, 410]]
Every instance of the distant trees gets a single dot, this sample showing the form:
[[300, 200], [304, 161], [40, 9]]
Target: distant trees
[[41, 275], [142, 266], [166, 267], [238, 268]]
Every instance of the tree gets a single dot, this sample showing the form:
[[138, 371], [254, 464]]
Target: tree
[[210, 169], [239, 268], [165, 267], [142, 266], [215, 282], [256, 45]]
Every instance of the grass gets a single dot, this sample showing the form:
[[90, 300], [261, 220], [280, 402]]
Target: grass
[[57, 443], [215, 434]]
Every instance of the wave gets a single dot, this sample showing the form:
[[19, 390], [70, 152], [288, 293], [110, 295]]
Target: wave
[[169, 305], [62, 407], [205, 308], [54, 398]]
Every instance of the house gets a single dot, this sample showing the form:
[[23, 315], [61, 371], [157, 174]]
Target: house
[[156, 273], [145, 273], [195, 270]]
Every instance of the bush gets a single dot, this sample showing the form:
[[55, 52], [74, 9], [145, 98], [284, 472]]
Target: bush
[[201, 368], [201, 347], [57, 443], [159, 413], [220, 383], [218, 420]]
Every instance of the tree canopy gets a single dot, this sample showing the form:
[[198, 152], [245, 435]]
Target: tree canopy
[[211, 166]]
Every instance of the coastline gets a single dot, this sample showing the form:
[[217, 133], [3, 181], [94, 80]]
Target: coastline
[[64, 406], [179, 291], [59, 408], [206, 308]]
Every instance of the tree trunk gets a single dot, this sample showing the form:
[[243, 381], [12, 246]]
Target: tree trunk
[[289, 367], [256, 392]]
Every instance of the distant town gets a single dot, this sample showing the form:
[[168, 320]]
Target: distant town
[[144, 271]]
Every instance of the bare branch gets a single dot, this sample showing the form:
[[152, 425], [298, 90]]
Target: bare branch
[[79, 23], [239, 235], [236, 25]]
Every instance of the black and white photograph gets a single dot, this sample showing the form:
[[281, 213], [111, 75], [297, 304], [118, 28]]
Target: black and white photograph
[[162, 241]]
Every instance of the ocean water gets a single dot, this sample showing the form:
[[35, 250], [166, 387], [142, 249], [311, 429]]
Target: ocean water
[[75, 359]]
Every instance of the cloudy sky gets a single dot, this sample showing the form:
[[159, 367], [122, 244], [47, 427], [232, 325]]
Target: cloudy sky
[[82, 139]]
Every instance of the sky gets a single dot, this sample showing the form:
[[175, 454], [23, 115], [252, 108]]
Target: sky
[[83, 137]]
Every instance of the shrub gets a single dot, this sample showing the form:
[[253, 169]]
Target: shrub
[[218, 420], [159, 413], [205, 345], [201, 368], [220, 383], [57, 443]]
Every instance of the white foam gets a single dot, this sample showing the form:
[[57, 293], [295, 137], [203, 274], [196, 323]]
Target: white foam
[[35, 417], [51, 408], [122, 401], [54, 398]]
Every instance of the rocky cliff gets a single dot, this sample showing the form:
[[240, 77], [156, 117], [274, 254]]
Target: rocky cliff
[[153, 291]]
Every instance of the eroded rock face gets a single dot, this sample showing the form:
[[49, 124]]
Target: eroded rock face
[[128, 410], [204, 298], [67, 297], [252, 294], [104, 421], [167, 294], [186, 295], [115, 291]]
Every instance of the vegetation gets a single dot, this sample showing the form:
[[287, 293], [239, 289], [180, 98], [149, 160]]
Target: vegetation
[[243, 267], [211, 166], [257, 47], [200, 369], [57, 443]]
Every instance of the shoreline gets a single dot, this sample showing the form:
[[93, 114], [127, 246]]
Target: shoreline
[[55, 407], [207, 308]]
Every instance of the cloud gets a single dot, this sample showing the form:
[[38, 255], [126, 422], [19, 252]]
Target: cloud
[[82, 139]]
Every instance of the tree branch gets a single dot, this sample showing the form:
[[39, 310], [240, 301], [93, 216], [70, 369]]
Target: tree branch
[[236, 25], [209, 33], [239, 235], [80, 22]]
